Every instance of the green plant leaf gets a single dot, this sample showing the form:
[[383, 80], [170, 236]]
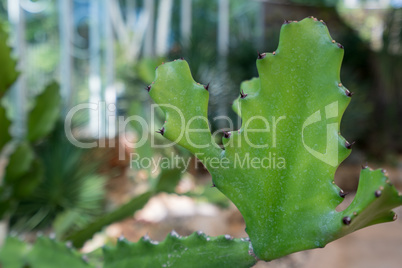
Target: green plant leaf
[[78, 238], [8, 73], [43, 117], [5, 124], [19, 162], [196, 250], [27, 183], [168, 179]]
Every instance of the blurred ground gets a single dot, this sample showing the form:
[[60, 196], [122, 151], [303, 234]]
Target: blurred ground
[[376, 246]]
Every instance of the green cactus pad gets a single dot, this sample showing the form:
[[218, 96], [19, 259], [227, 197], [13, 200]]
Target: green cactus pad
[[45, 253], [196, 250], [279, 167]]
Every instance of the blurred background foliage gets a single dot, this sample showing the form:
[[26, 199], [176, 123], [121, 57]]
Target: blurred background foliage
[[105, 52]]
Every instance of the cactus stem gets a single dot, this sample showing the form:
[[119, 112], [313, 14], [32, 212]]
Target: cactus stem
[[148, 88], [161, 131], [226, 134], [346, 220], [342, 194], [377, 193], [349, 145], [242, 95], [340, 46], [261, 55]]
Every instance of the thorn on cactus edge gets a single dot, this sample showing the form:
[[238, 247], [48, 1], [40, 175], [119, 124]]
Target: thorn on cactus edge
[[206, 87], [174, 234], [340, 46], [346, 220], [161, 131], [274, 53], [348, 93], [146, 237], [85, 258], [121, 238], [69, 244], [349, 145], [395, 217], [261, 55], [287, 22], [342, 194], [365, 166], [226, 134], [323, 22], [213, 185], [148, 88], [242, 95], [377, 193], [228, 237]]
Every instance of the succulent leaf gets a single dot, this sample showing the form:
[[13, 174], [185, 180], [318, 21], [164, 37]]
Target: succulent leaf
[[8, 73], [5, 124], [43, 117], [50, 253], [280, 165], [196, 250]]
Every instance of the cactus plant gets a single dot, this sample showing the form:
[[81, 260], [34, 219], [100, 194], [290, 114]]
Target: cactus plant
[[278, 168], [291, 116]]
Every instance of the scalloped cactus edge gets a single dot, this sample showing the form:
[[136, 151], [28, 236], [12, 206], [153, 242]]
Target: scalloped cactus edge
[[293, 110]]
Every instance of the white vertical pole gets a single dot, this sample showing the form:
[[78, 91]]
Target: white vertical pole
[[65, 29], [186, 21], [96, 118], [110, 91], [18, 92], [163, 27], [149, 7]]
